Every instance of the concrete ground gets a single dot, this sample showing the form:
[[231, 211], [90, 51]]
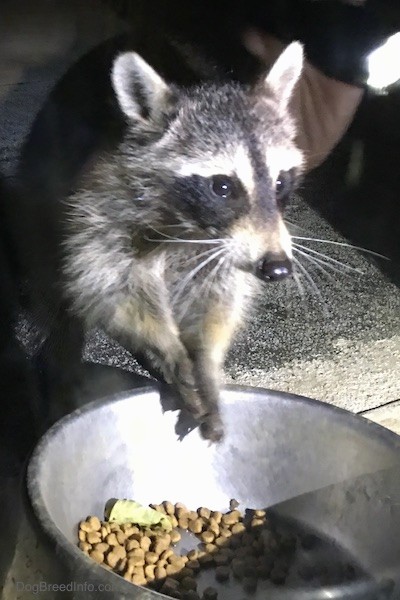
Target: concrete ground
[[337, 337]]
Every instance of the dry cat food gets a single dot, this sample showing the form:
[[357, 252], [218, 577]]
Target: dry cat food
[[233, 544]]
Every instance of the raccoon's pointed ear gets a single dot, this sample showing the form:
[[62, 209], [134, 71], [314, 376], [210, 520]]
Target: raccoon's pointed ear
[[286, 72], [141, 92]]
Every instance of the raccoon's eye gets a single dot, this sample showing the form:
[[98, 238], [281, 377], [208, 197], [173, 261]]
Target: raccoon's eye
[[222, 186], [283, 187]]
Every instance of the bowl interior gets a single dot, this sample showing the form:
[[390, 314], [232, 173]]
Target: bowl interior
[[278, 448]]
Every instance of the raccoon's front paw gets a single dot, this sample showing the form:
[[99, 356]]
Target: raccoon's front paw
[[211, 428]]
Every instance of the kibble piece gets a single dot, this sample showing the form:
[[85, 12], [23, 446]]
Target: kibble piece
[[241, 552], [231, 517], [111, 539], [94, 523], [112, 559], [221, 559], [82, 535], [158, 508], [257, 522], [122, 564], [183, 522], [97, 556], [213, 527], [210, 593], [173, 520], [226, 533], [175, 536], [238, 568], [160, 572], [194, 565], [136, 552], [210, 548], [136, 561], [132, 545], [150, 558], [222, 573], [189, 583], [207, 537], [149, 572], [119, 551], [193, 554], [181, 513], [165, 555], [175, 559], [93, 537], [207, 560], [121, 537], [196, 526], [159, 546], [169, 507], [138, 579], [247, 539], [215, 514], [173, 568], [104, 531], [249, 584], [101, 547], [204, 513], [145, 543], [85, 526], [259, 513], [185, 572], [85, 546], [235, 542], [238, 528], [221, 542]]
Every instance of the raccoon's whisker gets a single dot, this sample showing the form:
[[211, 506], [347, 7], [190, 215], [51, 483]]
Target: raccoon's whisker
[[328, 259], [344, 244], [194, 272], [182, 241], [209, 280], [299, 286], [176, 239], [312, 283], [197, 256], [291, 224], [319, 263]]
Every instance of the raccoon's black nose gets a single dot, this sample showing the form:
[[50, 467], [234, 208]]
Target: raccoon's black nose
[[273, 268]]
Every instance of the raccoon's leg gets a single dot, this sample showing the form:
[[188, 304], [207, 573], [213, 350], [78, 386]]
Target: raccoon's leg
[[207, 350], [146, 324]]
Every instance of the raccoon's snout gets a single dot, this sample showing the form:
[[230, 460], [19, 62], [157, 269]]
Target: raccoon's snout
[[272, 267]]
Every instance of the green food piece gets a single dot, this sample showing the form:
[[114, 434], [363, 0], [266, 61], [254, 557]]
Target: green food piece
[[129, 511]]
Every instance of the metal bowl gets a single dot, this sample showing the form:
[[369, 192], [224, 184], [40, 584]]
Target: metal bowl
[[315, 466]]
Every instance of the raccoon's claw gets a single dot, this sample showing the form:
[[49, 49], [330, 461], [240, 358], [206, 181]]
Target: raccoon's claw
[[211, 428]]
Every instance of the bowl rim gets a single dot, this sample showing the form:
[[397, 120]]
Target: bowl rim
[[56, 536]]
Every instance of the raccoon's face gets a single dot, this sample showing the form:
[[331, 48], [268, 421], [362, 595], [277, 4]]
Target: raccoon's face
[[219, 161]]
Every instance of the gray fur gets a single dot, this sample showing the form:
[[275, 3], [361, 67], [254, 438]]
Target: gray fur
[[136, 233]]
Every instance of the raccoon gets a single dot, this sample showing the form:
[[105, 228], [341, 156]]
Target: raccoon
[[168, 237]]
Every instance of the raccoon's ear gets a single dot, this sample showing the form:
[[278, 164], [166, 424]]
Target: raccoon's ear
[[141, 92], [285, 73]]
